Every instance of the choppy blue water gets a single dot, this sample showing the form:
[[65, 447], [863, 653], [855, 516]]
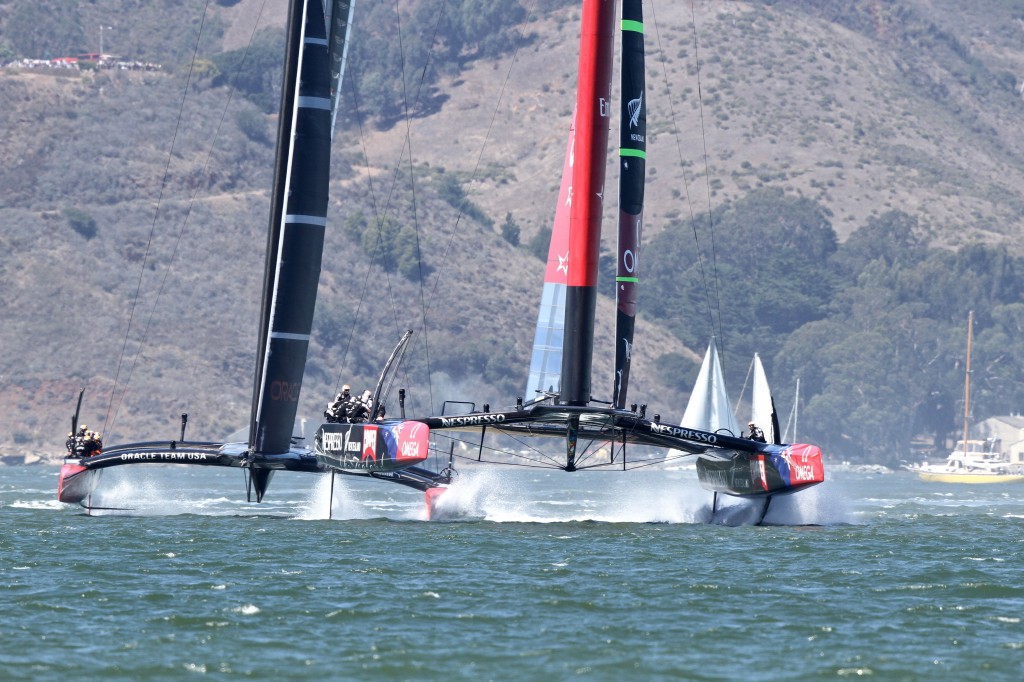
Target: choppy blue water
[[548, 576]]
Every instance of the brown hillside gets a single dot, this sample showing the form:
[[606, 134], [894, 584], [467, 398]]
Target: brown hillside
[[858, 117]]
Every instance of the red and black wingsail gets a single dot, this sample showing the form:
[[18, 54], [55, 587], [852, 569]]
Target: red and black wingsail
[[593, 111]]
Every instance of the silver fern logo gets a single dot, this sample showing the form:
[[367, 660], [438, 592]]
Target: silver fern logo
[[634, 106]]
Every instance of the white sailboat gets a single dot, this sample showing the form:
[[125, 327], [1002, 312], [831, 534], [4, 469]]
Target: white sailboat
[[971, 461]]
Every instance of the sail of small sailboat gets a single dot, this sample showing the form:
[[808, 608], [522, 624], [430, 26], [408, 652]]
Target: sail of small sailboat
[[708, 407], [762, 405]]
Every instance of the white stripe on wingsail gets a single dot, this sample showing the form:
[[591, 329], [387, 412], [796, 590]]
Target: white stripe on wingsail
[[298, 219]]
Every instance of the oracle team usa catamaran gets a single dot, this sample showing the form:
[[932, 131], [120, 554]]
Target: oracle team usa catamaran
[[559, 403]]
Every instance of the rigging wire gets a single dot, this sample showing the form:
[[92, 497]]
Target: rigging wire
[[191, 203], [381, 216], [425, 307], [483, 146], [412, 187], [679, 153], [540, 457], [707, 182], [109, 419], [743, 389]]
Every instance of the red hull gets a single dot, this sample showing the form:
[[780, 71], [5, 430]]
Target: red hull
[[76, 483]]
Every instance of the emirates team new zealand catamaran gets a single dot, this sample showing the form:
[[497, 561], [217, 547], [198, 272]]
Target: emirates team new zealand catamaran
[[560, 372]]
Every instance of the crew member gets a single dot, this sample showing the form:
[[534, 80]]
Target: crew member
[[360, 408], [77, 443], [93, 444], [336, 411], [755, 433]]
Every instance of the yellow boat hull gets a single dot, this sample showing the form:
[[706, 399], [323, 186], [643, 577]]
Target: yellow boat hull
[[981, 477]]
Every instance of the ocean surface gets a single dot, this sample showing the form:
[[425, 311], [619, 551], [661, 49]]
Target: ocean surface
[[534, 576]]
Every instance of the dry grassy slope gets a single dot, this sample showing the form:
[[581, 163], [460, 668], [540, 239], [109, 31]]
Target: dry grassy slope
[[788, 101]]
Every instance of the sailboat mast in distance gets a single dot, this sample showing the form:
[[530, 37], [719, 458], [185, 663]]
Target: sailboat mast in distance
[[593, 109], [967, 378], [632, 167]]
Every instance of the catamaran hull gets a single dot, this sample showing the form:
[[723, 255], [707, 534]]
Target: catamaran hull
[[369, 448], [773, 470], [77, 482], [79, 478]]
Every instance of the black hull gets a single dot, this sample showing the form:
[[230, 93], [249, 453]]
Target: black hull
[[80, 477], [772, 470]]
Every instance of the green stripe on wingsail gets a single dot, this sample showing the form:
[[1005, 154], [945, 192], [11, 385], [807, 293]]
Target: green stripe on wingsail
[[626, 151], [630, 25], [627, 279]]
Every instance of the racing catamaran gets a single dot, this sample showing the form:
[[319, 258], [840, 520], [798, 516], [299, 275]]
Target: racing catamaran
[[317, 39], [595, 433], [565, 409]]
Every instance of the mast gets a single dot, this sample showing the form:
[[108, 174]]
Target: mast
[[967, 379], [296, 236], [632, 168], [593, 109]]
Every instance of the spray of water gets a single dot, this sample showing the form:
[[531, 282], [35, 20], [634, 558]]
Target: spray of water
[[493, 494], [822, 505], [504, 496]]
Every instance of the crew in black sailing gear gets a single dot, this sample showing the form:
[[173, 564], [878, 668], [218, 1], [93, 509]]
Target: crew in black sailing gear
[[72, 441], [76, 442], [755, 433], [337, 410], [359, 409]]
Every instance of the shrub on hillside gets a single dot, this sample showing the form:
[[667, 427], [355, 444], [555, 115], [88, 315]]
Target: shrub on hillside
[[81, 222]]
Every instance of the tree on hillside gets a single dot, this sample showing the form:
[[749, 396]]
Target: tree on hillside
[[766, 276], [893, 236], [398, 60], [888, 363], [510, 230], [255, 71]]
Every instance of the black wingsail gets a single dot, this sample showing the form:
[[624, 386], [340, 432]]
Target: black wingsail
[[296, 236], [632, 167], [314, 63]]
